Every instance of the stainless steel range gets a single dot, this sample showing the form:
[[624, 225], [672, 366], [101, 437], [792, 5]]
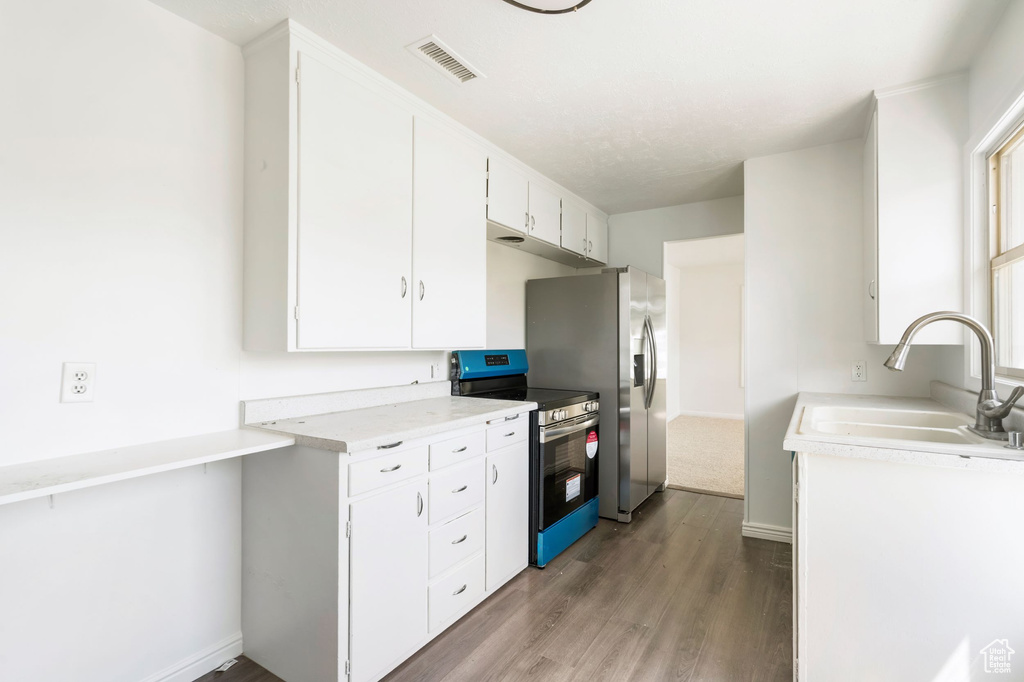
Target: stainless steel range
[[564, 440]]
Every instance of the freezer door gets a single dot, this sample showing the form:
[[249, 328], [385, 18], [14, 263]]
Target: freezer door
[[657, 411], [635, 367]]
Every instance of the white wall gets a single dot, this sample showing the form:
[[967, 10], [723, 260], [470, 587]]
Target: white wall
[[802, 224], [637, 238], [996, 74], [507, 272], [121, 212], [710, 320]]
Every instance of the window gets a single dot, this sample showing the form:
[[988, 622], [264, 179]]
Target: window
[[1006, 236]]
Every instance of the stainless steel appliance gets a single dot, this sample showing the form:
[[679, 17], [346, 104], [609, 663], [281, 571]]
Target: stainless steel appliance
[[607, 331], [563, 445]]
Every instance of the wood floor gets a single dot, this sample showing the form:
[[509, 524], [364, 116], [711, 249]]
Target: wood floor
[[677, 594]]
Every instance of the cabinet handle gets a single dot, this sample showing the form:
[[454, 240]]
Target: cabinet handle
[[405, 287], [510, 434], [388, 447], [459, 490], [460, 540], [527, 220], [419, 505], [515, 416], [495, 468], [460, 590], [388, 470], [533, 223], [871, 289], [590, 247], [462, 449], [422, 289]]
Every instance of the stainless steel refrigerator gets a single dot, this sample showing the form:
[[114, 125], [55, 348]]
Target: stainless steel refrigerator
[[606, 332]]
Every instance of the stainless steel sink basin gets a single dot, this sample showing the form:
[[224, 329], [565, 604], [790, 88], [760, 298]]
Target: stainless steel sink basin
[[901, 425]]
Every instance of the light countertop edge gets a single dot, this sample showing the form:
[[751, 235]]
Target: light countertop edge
[[363, 430], [974, 457], [30, 480]]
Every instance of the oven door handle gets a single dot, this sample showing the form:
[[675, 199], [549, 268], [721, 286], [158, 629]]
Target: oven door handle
[[547, 434]]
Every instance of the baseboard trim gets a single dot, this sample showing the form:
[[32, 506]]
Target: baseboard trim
[[712, 415], [701, 491], [767, 532], [201, 662]]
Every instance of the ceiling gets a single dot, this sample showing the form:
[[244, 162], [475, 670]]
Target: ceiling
[[637, 104], [699, 253]]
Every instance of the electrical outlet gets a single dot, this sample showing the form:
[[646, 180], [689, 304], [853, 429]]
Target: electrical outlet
[[860, 371], [78, 382], [437, 370]]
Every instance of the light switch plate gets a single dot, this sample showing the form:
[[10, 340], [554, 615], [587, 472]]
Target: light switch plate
[[78, 382]]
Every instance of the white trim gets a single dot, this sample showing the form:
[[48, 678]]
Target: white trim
[[919, 85], [201, 662], [713, 415], [977, 256], [767, 532]]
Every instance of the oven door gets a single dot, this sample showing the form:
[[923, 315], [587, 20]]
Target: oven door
[[567, 467]]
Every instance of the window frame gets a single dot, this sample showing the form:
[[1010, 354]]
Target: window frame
[[999, 255]]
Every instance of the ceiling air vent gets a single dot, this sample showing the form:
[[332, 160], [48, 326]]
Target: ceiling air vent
[[443, 58]]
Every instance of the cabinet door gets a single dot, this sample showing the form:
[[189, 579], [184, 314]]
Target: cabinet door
[[574, 229], [545, 214], [508, 201], [508, 514], [354, 214], [597, 238], [388, 578], [870, 291], [449, 240]]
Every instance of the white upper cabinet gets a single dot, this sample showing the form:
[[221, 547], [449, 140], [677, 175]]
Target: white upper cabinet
[[508, 196], [354, 214], [597, 238], [545, 214], [449, 245], [367, 212], [574, 228], [913, 195]]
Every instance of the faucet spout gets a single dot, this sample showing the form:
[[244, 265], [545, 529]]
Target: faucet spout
[[989, 421]]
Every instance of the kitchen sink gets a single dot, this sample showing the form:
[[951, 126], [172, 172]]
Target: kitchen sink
[[868, 415], [904, 425]]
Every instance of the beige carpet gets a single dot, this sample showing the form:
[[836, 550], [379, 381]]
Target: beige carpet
[[706, 455]]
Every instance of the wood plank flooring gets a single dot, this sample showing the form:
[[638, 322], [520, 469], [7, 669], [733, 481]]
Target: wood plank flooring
[[678, 595]]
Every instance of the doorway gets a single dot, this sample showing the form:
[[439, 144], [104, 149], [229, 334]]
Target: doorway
[[704, 296]]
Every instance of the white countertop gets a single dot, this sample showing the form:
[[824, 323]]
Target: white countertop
[[356, 430], [62, 474], [982, 456]]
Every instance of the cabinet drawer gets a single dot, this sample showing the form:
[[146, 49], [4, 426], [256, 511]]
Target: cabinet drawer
[[456, 541], [456, 450], [381, 471], [455, 490], [455, 593], [507, 433]]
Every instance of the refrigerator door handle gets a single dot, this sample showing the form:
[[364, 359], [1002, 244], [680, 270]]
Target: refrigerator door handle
[[654, 361], [648, 362]]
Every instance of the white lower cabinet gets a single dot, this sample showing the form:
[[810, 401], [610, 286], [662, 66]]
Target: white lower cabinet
[[352, 562], [508, 512], [387, 580], [456, 592]]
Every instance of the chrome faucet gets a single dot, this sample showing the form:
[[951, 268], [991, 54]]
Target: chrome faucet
[[989, 421]]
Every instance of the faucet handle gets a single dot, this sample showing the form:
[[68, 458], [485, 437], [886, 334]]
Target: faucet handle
[[999, 410]]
